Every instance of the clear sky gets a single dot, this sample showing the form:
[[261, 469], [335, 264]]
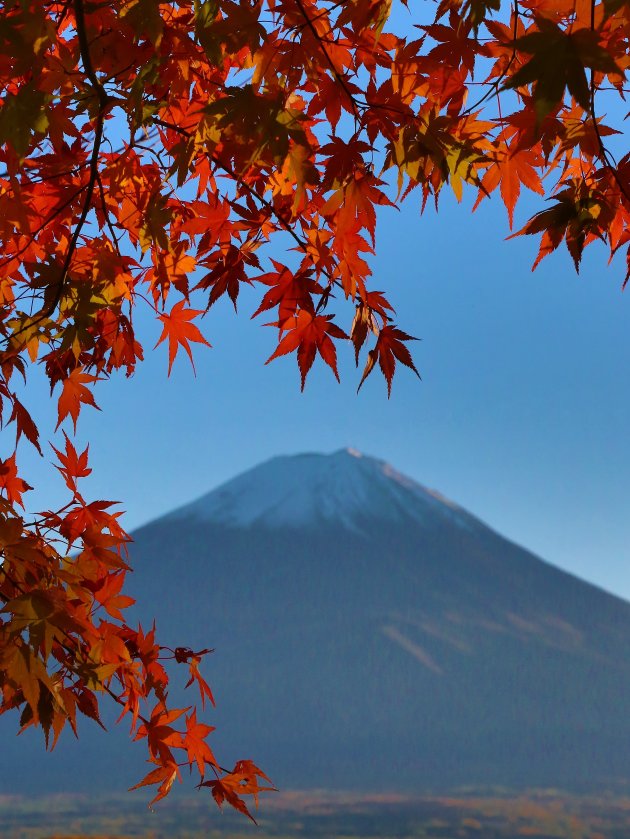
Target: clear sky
[[522, 415]]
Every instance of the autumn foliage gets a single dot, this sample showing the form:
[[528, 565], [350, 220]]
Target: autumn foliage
[[157, 155]]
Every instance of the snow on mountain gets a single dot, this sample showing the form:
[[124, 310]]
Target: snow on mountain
[[345, 487]]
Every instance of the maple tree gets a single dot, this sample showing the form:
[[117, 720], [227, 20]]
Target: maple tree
[[153, 153]]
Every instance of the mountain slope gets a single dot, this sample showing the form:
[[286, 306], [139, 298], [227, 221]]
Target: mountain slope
[[371, 634]]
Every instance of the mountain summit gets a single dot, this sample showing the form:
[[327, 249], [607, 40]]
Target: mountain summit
[[344, 488], [369, 634]]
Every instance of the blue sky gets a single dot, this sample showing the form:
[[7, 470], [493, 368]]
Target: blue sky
[[522, 415]]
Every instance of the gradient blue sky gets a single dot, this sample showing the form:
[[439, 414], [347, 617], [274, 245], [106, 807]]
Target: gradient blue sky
[[522, 416]]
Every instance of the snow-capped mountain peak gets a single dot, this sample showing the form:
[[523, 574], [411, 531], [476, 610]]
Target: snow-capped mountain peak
[[345, 487]]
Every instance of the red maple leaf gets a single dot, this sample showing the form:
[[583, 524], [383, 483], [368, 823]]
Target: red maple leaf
[[309, 334], [389, 347]]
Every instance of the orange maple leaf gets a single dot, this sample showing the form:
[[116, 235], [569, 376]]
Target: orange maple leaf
[[195, 676], [108, 595], [509, 172], [74, 394], [13, 486], [160, 734], [242, 780], [179, 330], [73, 465], [194, 741], [164, 775]]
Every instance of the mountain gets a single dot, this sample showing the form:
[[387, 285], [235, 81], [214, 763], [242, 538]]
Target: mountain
[[370, 634]]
